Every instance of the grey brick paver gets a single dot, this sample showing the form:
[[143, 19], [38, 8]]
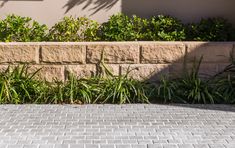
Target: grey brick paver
[[185, 146], [117, 126], [46, 146], [139, 146], [123, 146], [66, 146], [30, 146], [91, 146], [14, 146], [154, 146], [107, 146]]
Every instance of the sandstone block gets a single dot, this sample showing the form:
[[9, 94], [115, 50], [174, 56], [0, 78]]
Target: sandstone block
[[222, 66], [211, 52], [63, 53], [162, 52], [114, 69], [113, 53], [206, 70], [81, 71], [150, 72], [13, 53], [3, 68], [49, 72]]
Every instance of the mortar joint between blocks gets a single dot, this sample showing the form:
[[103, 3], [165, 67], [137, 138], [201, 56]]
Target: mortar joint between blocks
[[140, 54], [40, 54]]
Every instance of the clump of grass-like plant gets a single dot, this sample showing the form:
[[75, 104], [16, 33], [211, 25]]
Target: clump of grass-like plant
[[189, 88], [121, 89], [224, 83], [105, 87], [17, 85]]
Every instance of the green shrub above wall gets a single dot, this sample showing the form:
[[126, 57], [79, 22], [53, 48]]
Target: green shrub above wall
[[21, 29], [165, 28], [160, 28], [118, 28], [211, 29], [74, 29], [123, 28]]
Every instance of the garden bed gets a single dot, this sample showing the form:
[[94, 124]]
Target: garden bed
[[117, 72]]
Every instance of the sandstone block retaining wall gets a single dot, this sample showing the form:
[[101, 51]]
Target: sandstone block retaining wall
[[148, 59]]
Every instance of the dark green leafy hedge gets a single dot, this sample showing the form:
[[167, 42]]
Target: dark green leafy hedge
[[165, 28], [123, 28], [211, 29], [118, 28], [74, 29], [21, 29]]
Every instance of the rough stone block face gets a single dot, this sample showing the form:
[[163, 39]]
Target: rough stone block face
[[149, 60], [63, 53], [233, 51], [150, 72], [49, 72], [113, 53], [177, 69], [221, 66], [208, 70], [81, 71], [113, 68], [162, 52], [13, 53], [211, 52], [3, 68], [205, 69]]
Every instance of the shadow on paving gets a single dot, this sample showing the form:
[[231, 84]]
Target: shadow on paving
[[216, 107]]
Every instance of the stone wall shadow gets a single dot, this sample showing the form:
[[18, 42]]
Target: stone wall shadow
[[97, 5], [188, 11], [213, 53]]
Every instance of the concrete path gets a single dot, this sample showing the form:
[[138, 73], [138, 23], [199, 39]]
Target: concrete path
[[117, 126]]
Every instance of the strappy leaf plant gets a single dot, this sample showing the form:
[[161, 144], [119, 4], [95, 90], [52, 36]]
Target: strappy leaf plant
[[17, 85], [224, 83]]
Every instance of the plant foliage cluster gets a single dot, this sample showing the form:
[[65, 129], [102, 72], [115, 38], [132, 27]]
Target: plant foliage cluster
[[118, 28], [190, 88], [74, 29], [21, 29], [18, 85]]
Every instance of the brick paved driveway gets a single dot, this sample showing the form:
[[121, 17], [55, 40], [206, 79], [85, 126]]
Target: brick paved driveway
[[117, 126]]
